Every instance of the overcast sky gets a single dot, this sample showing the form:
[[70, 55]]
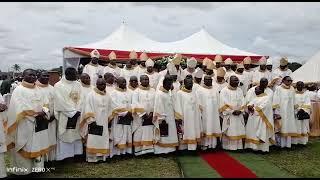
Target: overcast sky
[[33, 34]]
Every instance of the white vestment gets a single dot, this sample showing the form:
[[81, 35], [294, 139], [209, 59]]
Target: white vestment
[[48, 92], [187, 111], [85, 90], [283, 103], [302, 101], [228, 74], [153, 79], [260, 127], [248, 76], [185, 72], [3, 145], [115, 70], [67, 101], [278, 73], [93, 70], [97, 108], [219, 86], [164, 110], [142, 103], [257, 75], [232, 126], [29, 146], [110, 88], [127, 73], [121, 135], [244, 81], [208, 102]]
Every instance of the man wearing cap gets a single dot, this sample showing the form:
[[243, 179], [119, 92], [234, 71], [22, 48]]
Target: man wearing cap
[[198, 75], [220, 81], [133, 84], [110, 82], [210, 68], [231, 107], [282, 71], [227, 64], [204, 64], [262, 72], [248, 72], [207, 97], [243, 83], [128, 71], [187, 115], [219, 61], [93, 69], [112, 66], [191, 67], [153, 76], [283, 105], [86, 86]]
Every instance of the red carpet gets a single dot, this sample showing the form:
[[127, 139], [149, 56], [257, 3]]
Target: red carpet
[[226, 166]]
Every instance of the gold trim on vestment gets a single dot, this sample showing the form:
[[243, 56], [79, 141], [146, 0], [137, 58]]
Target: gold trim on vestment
[[96, 151], [121, 90], [31, 155], [28, 85], [85, 85], [235, 137], [132, 88], [100, 92], [264, 118], [232, 88], [178, 115], [163, 89], [143, 143], [167, 144], [86, 117], [39, 84], [144, 88], [186, 90], [20, 116]]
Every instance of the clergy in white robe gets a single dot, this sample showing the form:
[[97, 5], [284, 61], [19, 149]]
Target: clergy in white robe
[[281, 72], [262, 72], [110, 82], [48, 92], [247, 70], [191, 68], [187, 114], [283, 104], [302, 103], [232, 105], [128, 71], [207, 97], [94, 123], [3, 129], [209, 70], [264, 85], [243, 82], [67, 110], [143, 127], [259, 128], [142, 64], [153, 76], [27, 131], [227, 65], [86, 86], [93, 69], [165, 132], [220, 81], [121, 130], [177, 61], [133, 84], [112, 66], [197, 79]]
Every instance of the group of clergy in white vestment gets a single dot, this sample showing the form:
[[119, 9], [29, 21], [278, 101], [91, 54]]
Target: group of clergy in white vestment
[[136, 110]]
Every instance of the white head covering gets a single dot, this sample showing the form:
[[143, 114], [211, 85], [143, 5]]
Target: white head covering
[[133, 55], [218, 58], [177, 59], [144, 56], [199, 73], [269, 61], [172, 69], [228, 61], [149, 63], [192, 62], [95, 54], [210, 65], [283, 61], [247, 60], [112, 56], [263, 61]]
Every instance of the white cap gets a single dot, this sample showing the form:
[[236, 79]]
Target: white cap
[[95, 54], [172, 69], [228, 61], [269, 61], [263, 61], [192, 62], [199, 73], [149, 63]]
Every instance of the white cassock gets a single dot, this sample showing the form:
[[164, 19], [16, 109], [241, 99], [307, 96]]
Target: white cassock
[[208, 102], [3, 145], [93, 70], [121, 135], [164, 110], [248, 76], [185, 72], [244, 82], [48, 92], [143, 136], [67, 101], [302, 101], [278, 73], [127, 73], [153, 79], [85, 90], [219, 85], [251, 93], [110, 88], [257, 75], [97, 108], [232, 126], [186, 110], [228, 74], [115, 70], [29, 146], [141, 70], [283, 103], [260, 127]]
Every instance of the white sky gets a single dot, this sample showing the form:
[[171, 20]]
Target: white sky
[[33, 34]]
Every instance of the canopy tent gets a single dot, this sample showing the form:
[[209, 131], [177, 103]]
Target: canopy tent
[[124, 40], [310, 71]]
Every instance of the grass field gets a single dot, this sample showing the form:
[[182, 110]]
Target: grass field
[[299, 161]]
